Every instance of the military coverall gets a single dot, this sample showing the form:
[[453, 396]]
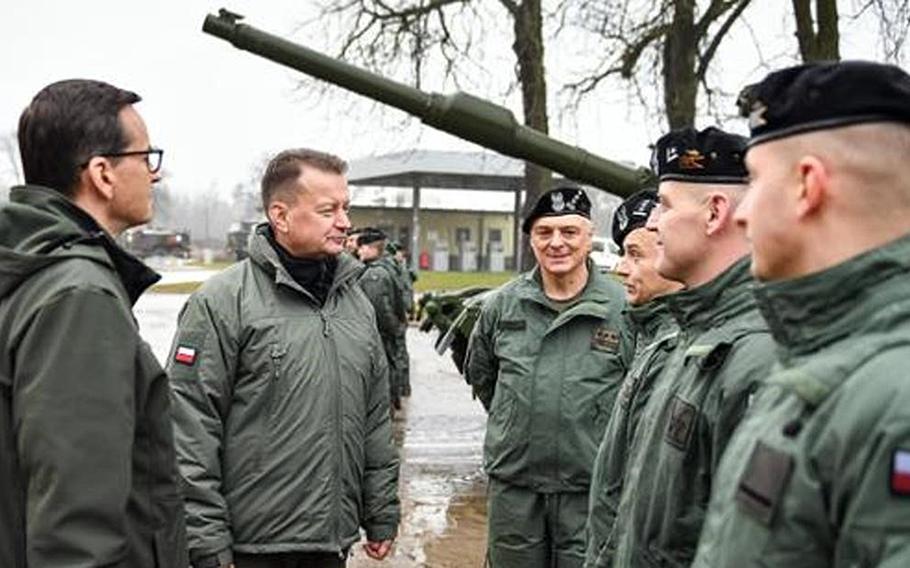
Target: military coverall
[[382, 289], [723, 354], [88, 473], [282, 414], [818, 475], [655, 337], [548, 376]]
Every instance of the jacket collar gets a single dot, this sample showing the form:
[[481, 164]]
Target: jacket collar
[[58, 229], [647, 319], [865, 293], [709, 305]]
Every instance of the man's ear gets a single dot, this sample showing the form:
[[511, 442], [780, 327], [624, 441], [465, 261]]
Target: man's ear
[[100, 178], [720, 208], [278, 216], [814, 184]]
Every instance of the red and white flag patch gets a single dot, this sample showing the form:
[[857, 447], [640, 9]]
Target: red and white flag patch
[[900, 472], [185, 355]]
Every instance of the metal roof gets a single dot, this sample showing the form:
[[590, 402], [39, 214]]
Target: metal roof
[[439, 169]]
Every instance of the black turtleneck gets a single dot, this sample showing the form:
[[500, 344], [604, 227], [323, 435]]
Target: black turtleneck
[[315, 275]]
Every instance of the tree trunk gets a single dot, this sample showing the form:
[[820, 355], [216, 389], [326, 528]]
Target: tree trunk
[[529, 52], [679, 73], [821, 45]]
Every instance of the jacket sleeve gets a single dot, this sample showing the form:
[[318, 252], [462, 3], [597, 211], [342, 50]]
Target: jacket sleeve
[[201, 368], [73, 409], [380, 478], [481, 365], [379, 288]]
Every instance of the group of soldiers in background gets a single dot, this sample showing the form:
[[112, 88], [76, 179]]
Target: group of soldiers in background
[[389, 285], [747, 404]]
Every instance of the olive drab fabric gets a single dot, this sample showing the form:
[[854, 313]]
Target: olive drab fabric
[[282, 413], [655, 338], [723, 354], [817, 475], [88, 475], [379, 283], [548, 379], [404, 286]]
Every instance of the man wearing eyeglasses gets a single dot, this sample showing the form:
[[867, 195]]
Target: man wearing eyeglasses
[[546, 359], [88, 473]]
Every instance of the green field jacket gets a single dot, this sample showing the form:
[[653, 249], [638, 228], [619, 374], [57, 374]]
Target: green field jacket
[[548, 379], [655, 337], [282, 413], [88, 475], [723, 354], [818, 475]]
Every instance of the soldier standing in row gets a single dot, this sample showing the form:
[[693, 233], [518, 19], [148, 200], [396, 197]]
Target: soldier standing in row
[[379, 282], [818, 475], [723, 352], [406, 278], [88, 475], [281, 390], [546, 358], [655, 337]]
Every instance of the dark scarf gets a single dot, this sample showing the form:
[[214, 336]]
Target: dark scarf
[[315, 275]]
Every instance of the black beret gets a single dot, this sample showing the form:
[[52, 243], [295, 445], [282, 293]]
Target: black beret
[[632, 214], [708, 156], [560, 201], [369, 235], [816, 96]]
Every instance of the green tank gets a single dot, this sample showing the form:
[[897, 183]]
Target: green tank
[[459, 114]]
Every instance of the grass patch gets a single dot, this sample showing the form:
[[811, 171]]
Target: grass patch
[[454, 280], [175, 288]]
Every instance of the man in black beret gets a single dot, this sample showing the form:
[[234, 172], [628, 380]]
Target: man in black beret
[[819, 473], [546, 358], [723, 353], [655, 333]]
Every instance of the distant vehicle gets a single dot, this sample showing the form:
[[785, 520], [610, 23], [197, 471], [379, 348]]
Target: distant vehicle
[[146, 242], [604, 254], [238, 238]]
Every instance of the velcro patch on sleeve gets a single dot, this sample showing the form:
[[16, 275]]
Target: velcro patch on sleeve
[[185, 355], [900, 472]]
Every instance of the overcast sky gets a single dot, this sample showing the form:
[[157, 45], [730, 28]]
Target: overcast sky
[[217, 111]]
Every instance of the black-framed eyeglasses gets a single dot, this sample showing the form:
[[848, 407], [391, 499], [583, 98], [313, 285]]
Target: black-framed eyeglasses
[[153, 157]]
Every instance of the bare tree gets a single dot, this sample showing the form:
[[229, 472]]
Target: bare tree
[[670, 43], [381, 34], [818, 35], [893, 18]]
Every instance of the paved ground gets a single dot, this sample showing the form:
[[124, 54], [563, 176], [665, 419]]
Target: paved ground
[[439, 433]]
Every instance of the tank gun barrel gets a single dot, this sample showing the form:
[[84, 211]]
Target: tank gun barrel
[[461, 114]]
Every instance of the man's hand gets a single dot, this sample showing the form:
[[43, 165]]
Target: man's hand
[[378, 550]]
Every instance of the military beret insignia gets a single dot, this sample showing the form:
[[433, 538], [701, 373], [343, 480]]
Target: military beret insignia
[[560, 201], [633, 214], [707, 156], [817, 96]]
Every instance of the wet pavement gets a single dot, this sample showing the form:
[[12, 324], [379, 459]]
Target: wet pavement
[[439, 433]]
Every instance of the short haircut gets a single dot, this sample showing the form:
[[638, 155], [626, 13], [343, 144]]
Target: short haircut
[[66, 124], [287, 166]]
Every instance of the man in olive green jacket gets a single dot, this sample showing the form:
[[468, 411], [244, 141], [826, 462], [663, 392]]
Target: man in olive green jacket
[[722, 355], [655, 337], [379, 282], [281, 390], [546, 358], [88, 475], [818, 475]]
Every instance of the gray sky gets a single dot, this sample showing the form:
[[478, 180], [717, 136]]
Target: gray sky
[[217, 111]]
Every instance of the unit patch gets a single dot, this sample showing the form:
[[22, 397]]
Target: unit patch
[[683, 416], [605, 339], [513, 325], [185, 355], [900, 473], [762, 484]]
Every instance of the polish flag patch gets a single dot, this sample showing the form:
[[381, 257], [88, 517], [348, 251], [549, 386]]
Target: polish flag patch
[[900, 472], [185, 355]]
